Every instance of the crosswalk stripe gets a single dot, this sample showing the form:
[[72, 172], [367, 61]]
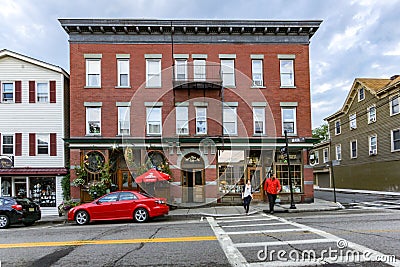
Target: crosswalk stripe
[[252, 225], [266, 231], [287, 242], [247, 220]]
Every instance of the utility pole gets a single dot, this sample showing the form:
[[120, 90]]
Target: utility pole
[[292, 205]]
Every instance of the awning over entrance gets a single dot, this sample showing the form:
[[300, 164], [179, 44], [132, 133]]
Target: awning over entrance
[[33, 171]]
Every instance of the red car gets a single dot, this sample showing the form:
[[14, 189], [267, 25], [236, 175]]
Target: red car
[[122, 205]]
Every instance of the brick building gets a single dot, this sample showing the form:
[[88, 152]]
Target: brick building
[[205, 101]]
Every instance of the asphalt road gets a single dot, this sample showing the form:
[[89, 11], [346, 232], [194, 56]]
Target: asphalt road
[[236, 241]]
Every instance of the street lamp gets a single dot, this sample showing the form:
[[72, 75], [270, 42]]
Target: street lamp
[[292, 205]]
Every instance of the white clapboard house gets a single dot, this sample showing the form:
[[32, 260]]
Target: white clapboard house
[[34, 119]]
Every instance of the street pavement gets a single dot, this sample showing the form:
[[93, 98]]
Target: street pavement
[[221, 211]]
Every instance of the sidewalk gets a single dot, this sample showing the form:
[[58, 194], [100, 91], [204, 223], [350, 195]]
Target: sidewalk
[[220, 211], [351, 191]]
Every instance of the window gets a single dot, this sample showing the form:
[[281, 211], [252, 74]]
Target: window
[[257, 70], [123, 72], [316, 155], [326, 155], [182, 125], [153, 70], [8, 144], [42, 144], [396, 140], [154, 120], [353, 121], [123, 120], [373, 145], [93, 120], [199, 66], [230, 120], [42, 92], [201, 120], [7, 92], [371, 114], [181, 69], [361, 94], [109, 198], [353, 149], [338, 152], [228, 72], [289, 120], [287, 73], [337, 127], [259, 120], [93, 72], [394, 105], [127, 196]]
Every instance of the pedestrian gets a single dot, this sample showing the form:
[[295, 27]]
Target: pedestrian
[[272, 187], [247, 196]]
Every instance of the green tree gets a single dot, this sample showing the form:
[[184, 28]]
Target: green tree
[[321, 133]]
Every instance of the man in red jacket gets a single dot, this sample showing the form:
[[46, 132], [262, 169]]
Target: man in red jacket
[[272, 186]]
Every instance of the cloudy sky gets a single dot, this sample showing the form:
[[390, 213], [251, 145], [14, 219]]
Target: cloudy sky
[[358, 38]]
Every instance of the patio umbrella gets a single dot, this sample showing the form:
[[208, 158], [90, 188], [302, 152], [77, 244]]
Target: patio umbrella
[[152, 176]]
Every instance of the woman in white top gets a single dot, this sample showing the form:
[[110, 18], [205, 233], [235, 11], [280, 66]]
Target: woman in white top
[[247, 196]]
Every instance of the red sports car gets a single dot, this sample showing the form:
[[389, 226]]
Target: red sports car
[[122, 205]]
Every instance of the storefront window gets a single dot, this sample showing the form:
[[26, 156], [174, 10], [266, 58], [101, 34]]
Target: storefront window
[[282, 173], [5, 186], [43, 191], [231, 171]]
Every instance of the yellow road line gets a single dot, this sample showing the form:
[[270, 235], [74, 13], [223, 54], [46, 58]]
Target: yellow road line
[[108, 242]]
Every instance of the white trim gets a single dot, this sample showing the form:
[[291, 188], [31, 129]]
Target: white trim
[[351, 127], [47, 136], [182, 104], [13, 93], [153, 104], [340, 127], [92, 56], [358, 94], [391, 105], [392, 140], [258, 104], [254, 120], [181, 56], [336, 151], [286, 56], [123, 56], [199, 56], [227, 56], [119, 60], [153, 56], [231, 104], [289, 104], [200, 104], [258, 56], [2, 143], [87, 121], [294, 109], [122, 104], [93, 104], [370, 149]]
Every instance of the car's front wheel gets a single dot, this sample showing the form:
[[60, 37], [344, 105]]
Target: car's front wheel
[[82, 217], [4, 221], [141, 215]]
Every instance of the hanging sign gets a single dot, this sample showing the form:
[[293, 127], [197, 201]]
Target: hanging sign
[[6, 162]]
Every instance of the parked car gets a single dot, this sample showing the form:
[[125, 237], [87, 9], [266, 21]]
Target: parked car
[[15, 210], [120, 205]]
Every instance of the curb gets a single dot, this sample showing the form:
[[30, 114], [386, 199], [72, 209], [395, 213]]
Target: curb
[[351, 191]]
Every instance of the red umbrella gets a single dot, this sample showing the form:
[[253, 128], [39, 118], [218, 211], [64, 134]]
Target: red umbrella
[[152, 176]]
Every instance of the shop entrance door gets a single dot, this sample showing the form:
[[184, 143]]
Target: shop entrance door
[[125, 181], [193, 189], [256, 177], [20, 187]]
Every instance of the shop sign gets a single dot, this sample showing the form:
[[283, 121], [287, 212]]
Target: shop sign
[[6, 162], [291, 156]]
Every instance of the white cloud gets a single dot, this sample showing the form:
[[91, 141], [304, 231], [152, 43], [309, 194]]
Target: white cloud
[[335, 85], [394, 52], [9, 9]]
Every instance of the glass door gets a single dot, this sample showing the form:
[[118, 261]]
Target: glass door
[[20, 187]]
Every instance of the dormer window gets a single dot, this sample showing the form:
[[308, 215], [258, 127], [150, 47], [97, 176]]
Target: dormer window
[[361, 94]]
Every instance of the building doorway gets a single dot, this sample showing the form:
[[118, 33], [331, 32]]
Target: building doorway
[[125, 181], [20, 187], [192, 179]]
